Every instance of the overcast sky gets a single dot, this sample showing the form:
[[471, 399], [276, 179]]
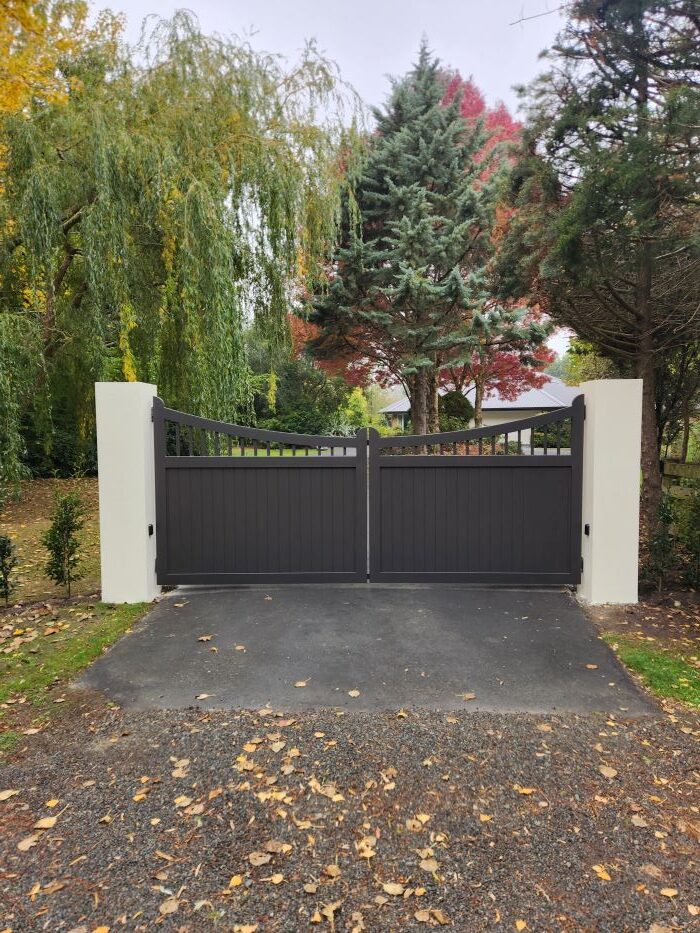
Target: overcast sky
[[370, 39]]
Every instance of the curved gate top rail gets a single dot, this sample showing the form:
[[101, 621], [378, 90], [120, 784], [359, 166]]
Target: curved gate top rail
[[553, 432], [192, 435]]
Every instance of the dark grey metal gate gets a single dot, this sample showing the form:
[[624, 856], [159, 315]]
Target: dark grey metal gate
[[496, 505], [489, 505], [241, 505]]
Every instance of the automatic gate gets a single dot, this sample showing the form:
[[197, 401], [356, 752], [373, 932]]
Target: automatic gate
[[240, 505]]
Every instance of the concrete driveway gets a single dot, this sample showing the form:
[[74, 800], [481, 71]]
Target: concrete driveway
[[398, 645]]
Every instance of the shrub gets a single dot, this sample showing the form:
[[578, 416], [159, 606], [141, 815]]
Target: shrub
[[661, 550], [61, 541], [8, 562], [455, 411], [688, 526]]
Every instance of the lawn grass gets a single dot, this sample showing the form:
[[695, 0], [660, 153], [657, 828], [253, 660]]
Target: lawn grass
[[50, 648], [665, 673]]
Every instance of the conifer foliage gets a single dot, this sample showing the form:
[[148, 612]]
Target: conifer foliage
[[414, 265]]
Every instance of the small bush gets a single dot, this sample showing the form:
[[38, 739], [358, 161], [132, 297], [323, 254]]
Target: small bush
[[688, 526], [61, 541], [8, 562], [661, 555], [455, 411]]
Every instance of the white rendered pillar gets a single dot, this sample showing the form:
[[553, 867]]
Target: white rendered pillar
[[125, 467], [611, 480]]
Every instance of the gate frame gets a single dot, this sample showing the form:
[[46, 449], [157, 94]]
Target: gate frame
[[576, 412]]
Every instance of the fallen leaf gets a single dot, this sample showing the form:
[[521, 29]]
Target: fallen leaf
[[520, 924], [607, 771], [592, 667], [46, 822], [6, 794], [259, 858], [182, 801], [393, 887], [466, 696], [202, 696], [524, 790], [601, 872], [204, 638], [353, 693], [236, 881], [639, 821], [485, 818], [170, 906], [301, 683], [669, 892], [51, 803], [27, 843], [310, 887], [277, 878], [429, 864], [544, 727], [332, 871], [693, 910]]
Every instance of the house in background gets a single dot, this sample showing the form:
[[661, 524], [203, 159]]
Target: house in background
[[495, 410]]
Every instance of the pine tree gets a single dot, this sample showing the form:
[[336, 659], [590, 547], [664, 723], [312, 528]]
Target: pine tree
[[413, 266], [605, 230]]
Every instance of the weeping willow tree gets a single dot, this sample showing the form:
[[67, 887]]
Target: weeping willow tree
[[188, 188]]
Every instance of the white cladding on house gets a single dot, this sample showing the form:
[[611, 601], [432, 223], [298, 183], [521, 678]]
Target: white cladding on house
[[554, 394]]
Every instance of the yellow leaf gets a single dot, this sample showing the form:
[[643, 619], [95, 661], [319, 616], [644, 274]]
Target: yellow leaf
[[6, 794], [601, 872], [485, 818], [524, 790], [236, 881], [669, 892], [520, 924], [277, 878]]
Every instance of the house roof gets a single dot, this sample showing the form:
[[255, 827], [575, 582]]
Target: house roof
[[554, 394]]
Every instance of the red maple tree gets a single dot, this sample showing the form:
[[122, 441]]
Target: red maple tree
[[348, 363]]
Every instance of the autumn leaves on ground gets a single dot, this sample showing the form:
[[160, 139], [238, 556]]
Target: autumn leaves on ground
[[266, 820]]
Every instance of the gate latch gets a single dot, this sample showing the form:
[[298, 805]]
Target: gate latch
[[150, 530]]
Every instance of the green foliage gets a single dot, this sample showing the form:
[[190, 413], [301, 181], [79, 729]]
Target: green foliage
[[688, 530], [666, 674], [185, 186], [661, 554], [61, 540], [415, 264], [456, 411], [306, 400], [8, 562]]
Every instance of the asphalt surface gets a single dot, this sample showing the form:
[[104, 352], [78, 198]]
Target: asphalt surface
[[192, 821], [361, 647]]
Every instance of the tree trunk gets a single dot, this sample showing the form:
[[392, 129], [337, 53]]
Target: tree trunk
[[651, 471], [419, 403], [432, 398], [685, 442], [646, 371], [478, 401]]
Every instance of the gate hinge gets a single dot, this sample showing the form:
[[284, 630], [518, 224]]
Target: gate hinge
[[582, 564]]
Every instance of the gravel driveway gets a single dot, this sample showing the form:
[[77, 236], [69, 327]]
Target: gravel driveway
[[270, 821]]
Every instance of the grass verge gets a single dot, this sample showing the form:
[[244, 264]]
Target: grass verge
[[50, 647], [665, 673]]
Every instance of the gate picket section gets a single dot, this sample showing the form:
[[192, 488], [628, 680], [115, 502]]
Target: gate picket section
[[242, 505], [488, 505]]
